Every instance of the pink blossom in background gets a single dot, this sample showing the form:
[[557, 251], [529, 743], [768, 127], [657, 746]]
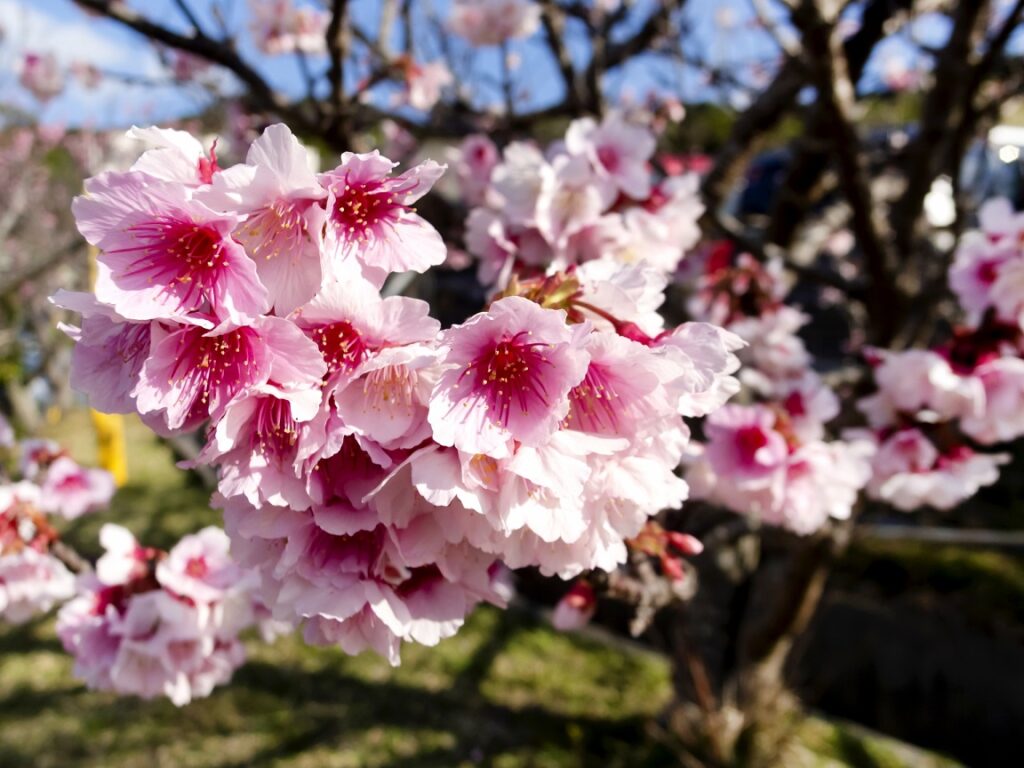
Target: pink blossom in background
[[31, 583], [41, 74], [576, 608], [154, 624], [71, 491], [920, 383], [753, 468], [32, 578], [564, 207], [619, 152], [280, 27], [744, 444], [1002, 417], [425, 83], [986, 270], [473, 161], [908, 472], [493, 22]]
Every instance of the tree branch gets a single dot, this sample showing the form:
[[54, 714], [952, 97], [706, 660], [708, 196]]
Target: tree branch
[[337, 48], [827, 63], [218, 52], [942, 112]]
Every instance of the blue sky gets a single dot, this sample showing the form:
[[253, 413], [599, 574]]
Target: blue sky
[[58, 26]]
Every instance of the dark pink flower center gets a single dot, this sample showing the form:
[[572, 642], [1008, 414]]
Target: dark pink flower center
[[750, 440], [360, 207], [197, 567], [215, 368], [350, 473], [795, 405], [593, 406], [419, 579], [609, 157], [510, 374], [341, 344], [353, 553], [175, 250], [274, 432], [73, 482], [116, 596], [988, 271], [279, 229]]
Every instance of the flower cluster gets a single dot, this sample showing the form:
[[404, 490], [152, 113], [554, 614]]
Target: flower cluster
[[375, 471], [280, 27], [32, 578], [588, 197], [933, 408], [152, 623], [771, 460]]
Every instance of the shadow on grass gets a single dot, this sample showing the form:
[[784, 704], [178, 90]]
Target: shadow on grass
[[296, 706]]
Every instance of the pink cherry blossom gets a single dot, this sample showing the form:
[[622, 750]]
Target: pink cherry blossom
[[152, 624], [263, 439], [72, 491], [618, 151], [41, 75], [32, 582], [508, 375], [279, 27], [703, 360], [922, 384], [1002, 417], [108, 355], [280, 195], [174, 155], [163, 255], [519, 182], [743, 444], [350, 322], [370, 217], [387, 398], [193, 374], [474, 160], [908, 471], [199, 567], [492, 22], [425, 83]]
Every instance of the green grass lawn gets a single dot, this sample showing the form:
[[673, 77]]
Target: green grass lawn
[[507, 692]]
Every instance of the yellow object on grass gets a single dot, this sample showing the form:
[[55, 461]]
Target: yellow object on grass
[[110, 445], [109, 427]]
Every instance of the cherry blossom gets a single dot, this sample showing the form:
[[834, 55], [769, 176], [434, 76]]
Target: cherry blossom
[[492, 22]]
